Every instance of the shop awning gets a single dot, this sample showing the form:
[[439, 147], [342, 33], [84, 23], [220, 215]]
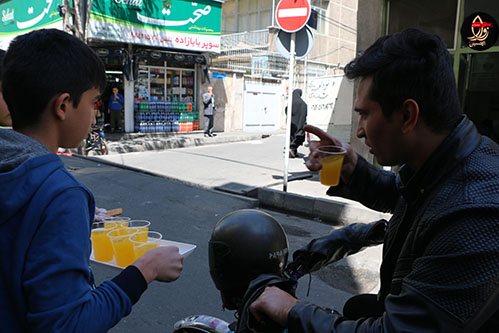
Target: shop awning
[[175, 24], [21, 16]]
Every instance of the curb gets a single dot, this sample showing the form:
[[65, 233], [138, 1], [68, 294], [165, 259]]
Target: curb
[[328, 211], [149, 142], [331, 212]]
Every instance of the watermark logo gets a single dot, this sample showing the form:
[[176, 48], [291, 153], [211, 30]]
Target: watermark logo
[[7, 15], [479, 31], [130, 3]]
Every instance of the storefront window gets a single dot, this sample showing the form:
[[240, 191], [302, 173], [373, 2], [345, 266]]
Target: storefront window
[[157, 84], [165, 100], [438, 17]]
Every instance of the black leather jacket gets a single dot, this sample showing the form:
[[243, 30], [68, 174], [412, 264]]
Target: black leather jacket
[[441, 248]]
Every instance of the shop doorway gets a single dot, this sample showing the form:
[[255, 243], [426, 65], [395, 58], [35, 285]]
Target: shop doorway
[[480, 91], [261, 107], [114, 79]]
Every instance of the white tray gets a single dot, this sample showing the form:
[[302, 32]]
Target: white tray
[[183, 248]]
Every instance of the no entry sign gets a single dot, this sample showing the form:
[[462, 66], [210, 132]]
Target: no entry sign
[[292, 15]]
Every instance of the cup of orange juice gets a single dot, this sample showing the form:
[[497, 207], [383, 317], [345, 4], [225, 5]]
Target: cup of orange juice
[[120, 222], [108, 224], [122, 246], [331, 160], [101, 244], [141, 246], [142, 227]]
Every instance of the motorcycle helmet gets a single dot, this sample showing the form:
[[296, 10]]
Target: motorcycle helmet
[[245, 244]]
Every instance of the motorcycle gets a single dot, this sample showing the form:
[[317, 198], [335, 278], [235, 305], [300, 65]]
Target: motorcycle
[[94, 142]]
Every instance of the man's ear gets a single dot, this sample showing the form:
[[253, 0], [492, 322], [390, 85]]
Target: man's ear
[[410, 114], [60, 106]]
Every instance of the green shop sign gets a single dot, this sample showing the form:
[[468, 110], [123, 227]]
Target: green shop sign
[[177, 24], [21, 16]]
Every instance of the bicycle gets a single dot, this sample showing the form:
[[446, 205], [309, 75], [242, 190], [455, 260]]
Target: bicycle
[[94, 142]]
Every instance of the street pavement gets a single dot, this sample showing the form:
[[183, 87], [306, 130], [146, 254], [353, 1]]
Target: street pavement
[[185, 191]]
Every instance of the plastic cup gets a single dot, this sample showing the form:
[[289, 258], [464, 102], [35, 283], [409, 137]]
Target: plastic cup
[[121, 221], [101, 244], [331, 160], [142, 227], [140, 246], [109, 225], [122, 246]]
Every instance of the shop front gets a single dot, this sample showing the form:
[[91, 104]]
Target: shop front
[[161, 51]]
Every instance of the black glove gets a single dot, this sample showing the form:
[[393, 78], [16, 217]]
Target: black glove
[[246, 322], [335, 246]]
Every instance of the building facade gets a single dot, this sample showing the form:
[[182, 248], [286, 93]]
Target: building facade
[[163, 54], [252, 74]]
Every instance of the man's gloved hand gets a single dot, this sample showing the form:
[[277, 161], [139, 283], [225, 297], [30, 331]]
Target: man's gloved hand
[[247, 323], [335, 246]]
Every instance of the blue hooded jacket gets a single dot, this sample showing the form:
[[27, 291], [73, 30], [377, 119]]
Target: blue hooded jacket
[[46, 283]]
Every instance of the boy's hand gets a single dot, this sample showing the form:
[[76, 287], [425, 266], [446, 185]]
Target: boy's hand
[[314, 163], [162, 264]]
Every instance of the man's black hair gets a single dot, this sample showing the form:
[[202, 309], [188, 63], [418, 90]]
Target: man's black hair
[[411, 64], [43, 64]]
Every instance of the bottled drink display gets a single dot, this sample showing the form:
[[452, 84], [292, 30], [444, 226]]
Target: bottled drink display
[[164, 116]]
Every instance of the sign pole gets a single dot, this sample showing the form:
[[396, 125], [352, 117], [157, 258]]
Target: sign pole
[[290, 108]]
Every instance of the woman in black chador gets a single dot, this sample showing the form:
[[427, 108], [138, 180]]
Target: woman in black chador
[[298, 120]]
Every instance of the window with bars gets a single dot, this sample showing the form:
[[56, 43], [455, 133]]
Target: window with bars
[[247, 15]]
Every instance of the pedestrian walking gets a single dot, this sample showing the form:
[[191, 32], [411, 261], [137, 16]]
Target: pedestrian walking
[[209, 111], [298, 120]]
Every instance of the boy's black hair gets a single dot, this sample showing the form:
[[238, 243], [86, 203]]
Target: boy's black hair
[[43, 64], [411, 64]]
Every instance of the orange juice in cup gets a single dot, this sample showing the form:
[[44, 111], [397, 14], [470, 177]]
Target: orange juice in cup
[[122, 246], [142, 227], [109, 225], [331, 160], [101, 244], [140, 247], [120, 221]]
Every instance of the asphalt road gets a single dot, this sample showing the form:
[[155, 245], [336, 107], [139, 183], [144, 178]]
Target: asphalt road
[[188, 214]]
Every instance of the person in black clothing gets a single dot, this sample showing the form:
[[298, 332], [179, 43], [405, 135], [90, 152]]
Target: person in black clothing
[[298, 120], [440, 268]]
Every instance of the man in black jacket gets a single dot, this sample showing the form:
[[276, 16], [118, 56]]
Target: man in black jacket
[[440, 268]]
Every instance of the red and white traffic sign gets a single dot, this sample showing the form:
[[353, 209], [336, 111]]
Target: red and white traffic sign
[[292, 15]]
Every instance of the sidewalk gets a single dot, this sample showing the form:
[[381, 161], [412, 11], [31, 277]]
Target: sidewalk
[[305, 195]]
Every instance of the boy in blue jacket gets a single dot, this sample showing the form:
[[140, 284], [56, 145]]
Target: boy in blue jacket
[[46, 284]]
